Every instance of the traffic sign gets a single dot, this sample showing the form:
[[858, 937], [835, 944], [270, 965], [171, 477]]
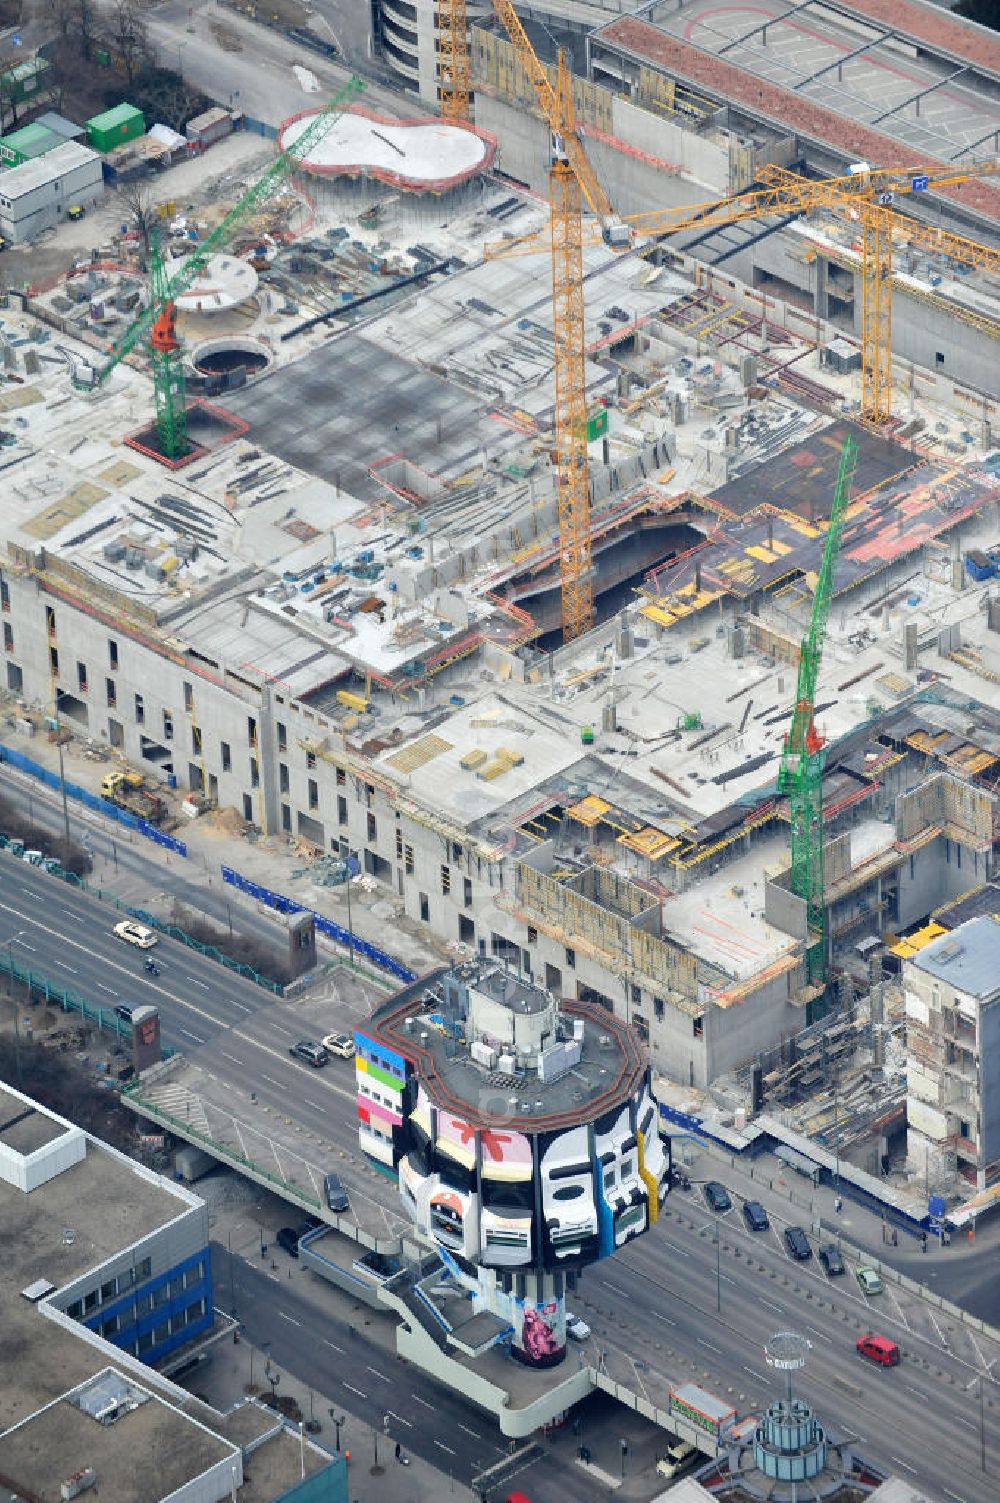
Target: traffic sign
[[920, 184]]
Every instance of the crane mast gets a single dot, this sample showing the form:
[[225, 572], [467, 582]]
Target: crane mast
[[454, 73], [801, 774], [158, 322]]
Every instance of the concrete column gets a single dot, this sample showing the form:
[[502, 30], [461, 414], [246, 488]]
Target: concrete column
[[821, 288]]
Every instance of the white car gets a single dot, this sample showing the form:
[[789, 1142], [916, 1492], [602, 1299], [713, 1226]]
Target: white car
[[135, 934], [576, 1329], [340, 1044]]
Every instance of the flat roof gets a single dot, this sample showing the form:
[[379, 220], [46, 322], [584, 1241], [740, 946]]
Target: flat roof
[[609, 1071], [119, 114], [150, 1451], [968, 958], [24, 179], [73, 1222], [24, 1126], [747, 86], [421, 154]]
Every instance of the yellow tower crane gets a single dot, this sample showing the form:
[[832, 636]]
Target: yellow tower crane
[[571, 178], [867, 194], [454, 74], [870, 193]]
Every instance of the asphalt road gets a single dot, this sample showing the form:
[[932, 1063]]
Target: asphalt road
[[653, 1306], [256, 63], [66, 934], [711, 1312], [135, 869], [361, 1377]]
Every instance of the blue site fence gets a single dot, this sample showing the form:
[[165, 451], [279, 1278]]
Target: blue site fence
[[282, 904], [90, 800]]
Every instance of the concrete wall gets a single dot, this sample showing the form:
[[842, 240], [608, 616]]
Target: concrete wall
[[666, 165], [988, 1048], [784, 910], [938, 872]]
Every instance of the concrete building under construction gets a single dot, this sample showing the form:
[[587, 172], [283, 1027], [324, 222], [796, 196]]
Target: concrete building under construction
[[343, 619]]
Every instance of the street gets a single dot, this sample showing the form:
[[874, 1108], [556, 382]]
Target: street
[[673, 1305]]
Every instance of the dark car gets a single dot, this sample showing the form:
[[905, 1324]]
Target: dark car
[[797, 1243], [314, 1054], [124, 1010], [831, 1260], [717, 1196], [336, 1195], [288, 1238], [755, 1216]]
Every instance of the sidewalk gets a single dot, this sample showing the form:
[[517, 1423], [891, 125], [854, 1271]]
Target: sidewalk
[[376, 916]]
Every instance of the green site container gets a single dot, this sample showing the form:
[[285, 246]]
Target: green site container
[[102, 56], [597, 423], [27, 143], [25, 82], [115, 127]]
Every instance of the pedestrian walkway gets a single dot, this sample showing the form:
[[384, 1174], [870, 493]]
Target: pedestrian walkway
[[374, 914]]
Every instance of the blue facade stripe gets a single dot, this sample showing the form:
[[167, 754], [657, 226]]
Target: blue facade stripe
[[143, 1325]]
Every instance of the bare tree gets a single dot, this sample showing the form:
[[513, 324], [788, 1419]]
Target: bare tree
[[83, 16], [128, 37], [137, 204]]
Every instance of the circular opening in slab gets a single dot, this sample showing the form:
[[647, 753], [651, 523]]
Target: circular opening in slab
[[219, 357]]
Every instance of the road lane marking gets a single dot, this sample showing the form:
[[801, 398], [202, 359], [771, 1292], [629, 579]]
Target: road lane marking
[[821, 1334], [378, 1374], [189, 1035], [666, 1319], [905, 1464], [708, 1344], [355, 1390], [418, 1400], [950, 1494], [758, 1376], [769, 1305], [271, 1080], [290, 1318], [474, 1433], [71, 968], [333, 1344], [910, 1389], [399, 1418], [233, 1058], [195, 982], [617, 1289], [111, 965], [441, 1446], [314, 1104]]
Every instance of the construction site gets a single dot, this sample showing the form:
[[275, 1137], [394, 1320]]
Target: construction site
[[626, 620]]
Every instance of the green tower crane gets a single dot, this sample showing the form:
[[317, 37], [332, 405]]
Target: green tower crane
[[801, 775], [158, 321]]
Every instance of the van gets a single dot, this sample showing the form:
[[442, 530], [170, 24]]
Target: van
[[680, 1455], [879, 1349]]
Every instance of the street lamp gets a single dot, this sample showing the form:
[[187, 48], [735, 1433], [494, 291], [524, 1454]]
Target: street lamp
[[337, 1424]]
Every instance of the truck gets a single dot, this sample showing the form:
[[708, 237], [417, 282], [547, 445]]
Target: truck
[[703, 1411], [128, 790]]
